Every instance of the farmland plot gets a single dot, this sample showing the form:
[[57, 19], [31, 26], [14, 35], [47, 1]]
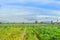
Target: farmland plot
[[29, 32]]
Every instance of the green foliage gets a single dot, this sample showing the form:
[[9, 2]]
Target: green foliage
[[36, 22], [0, 22], [23, 23], [51, 22], [42, 32]]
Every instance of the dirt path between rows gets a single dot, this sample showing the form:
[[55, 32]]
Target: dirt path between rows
[[23, 34], [37, 38]]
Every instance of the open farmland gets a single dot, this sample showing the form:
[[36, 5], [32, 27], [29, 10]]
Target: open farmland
[[29, 32]]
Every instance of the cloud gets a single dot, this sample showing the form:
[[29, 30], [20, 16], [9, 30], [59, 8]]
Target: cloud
[[29, 1], [48, 4], [29, 10], [20, 14], [26, 1]]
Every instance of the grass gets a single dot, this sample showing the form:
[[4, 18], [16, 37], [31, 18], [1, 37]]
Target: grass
[[29, 32]]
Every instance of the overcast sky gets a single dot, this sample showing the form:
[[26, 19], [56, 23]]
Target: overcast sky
[[29, 10]]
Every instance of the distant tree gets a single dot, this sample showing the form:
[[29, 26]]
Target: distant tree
[[0, 22], [41, 22], [57, 21], [52, 22], [22, 22], [36, 22]]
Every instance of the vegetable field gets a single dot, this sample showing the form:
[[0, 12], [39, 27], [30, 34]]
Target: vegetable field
[[29, 32]]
